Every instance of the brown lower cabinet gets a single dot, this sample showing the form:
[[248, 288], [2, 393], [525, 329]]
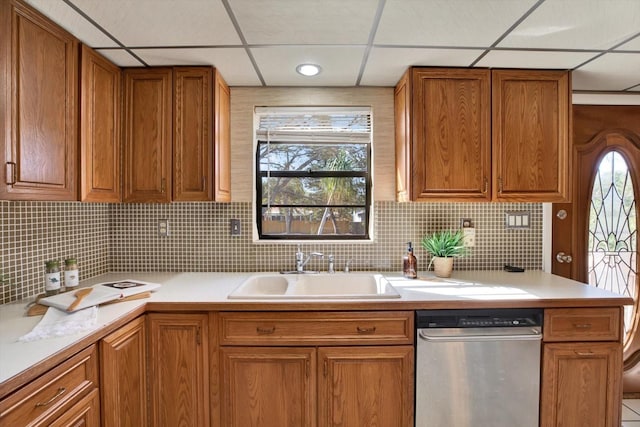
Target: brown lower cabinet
[[582, 368], [178, 369], [293, 369], [123, 369]]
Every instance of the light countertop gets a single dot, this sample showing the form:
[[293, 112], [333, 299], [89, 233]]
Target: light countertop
[[208, 291]]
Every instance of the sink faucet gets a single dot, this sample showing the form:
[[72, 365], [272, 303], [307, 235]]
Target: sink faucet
[[301, 261], [330, 269]]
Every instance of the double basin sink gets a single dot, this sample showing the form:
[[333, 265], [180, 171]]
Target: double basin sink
[[315, 286]]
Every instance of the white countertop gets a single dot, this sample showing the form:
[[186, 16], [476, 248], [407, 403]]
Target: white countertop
[[207, 291]]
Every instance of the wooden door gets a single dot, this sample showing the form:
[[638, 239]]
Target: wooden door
[[100, 147], [179, 369], [530, 133], [123, 382], [450, 145], [192, 134], [38, 82], [581, 385], [222, 140], [147, 134], [579, 230], [268, 386], [365, 386], [85, 413]]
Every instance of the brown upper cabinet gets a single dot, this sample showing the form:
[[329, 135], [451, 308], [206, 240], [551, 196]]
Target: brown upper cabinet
[[38, 83], [531, 117], [481, 135], [176, 135], [100, 147]]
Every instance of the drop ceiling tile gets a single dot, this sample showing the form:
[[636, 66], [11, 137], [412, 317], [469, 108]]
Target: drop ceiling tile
[[577, 24], [305, 21], [631, 45], [120, 57], [163, 22], [446, 22], [612, 71], [340, 65], [73, 22], [233, 63], [534, 59], [386, 65]]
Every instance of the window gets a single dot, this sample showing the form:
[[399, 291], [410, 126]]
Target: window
[[313, 179]]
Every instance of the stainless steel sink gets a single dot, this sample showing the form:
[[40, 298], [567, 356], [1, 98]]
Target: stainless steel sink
[[315, 286]]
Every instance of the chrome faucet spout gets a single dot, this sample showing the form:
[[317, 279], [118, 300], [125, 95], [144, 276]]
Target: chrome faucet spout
[[301, 261]]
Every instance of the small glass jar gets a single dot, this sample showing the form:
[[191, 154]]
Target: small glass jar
[[71, 274], [52, 277]]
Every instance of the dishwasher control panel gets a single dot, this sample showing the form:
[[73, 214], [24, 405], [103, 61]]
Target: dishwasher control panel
[[478, 318]]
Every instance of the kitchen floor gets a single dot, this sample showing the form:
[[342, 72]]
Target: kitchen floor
[[631, 413]]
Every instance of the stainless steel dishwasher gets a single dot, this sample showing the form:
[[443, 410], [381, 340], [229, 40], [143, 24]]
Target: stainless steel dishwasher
[[478, 368]]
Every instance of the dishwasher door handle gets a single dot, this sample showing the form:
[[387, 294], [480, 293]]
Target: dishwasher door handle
[[534, 335]]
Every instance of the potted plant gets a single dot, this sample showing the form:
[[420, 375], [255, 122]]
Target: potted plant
[[443, 247]]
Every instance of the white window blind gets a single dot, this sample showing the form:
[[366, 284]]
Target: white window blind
[[309, 124]]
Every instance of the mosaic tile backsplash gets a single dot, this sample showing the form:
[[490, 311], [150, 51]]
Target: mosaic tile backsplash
[[124, 237]]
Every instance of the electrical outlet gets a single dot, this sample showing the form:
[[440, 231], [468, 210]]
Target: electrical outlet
[[163, 228], [235, 227], [469, 237]]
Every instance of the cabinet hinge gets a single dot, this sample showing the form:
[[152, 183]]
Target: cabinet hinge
[[10, 173]]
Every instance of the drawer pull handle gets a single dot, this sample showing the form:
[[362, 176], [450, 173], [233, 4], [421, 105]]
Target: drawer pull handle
[[585, 353], [265, 331], [582, 325], [362, 330], [59, 393]]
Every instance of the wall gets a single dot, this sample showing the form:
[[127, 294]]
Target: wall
[[123, 237], [34, 232]]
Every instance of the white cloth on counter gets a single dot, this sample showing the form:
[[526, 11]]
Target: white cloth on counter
[[57, 323]]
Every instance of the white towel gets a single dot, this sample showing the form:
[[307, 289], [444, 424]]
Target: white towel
[[57, 323]]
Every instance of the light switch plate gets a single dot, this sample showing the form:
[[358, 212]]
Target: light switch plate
[[517, 219], [235, 227]]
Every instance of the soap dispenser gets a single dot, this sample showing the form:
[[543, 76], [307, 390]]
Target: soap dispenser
[[410, 263]]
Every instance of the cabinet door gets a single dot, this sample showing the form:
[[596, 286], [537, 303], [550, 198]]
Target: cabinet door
[[192, 134], [85, 413], [531, 112], [365, 386], [100, 148], [179, 369], [581, 385], [38, 82], [148, 108], [451, 143], [123, 376], [222, 142], [268, 387]]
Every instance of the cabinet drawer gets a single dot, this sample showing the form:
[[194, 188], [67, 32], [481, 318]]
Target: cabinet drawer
[[582, 324], [316, 328], [50, 395]]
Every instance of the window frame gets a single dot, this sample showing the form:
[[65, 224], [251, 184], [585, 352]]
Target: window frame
[[367, 174]]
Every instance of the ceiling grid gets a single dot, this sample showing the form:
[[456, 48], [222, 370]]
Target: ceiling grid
[[363, 42]]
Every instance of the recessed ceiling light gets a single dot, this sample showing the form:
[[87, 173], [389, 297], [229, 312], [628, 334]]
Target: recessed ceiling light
[[308, 70]]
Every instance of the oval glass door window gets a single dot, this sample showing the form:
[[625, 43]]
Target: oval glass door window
[[613, 232]]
